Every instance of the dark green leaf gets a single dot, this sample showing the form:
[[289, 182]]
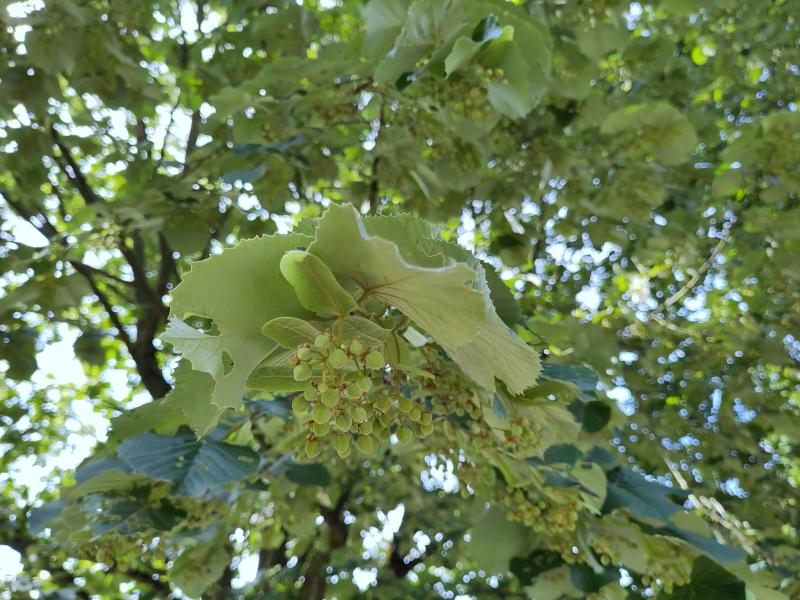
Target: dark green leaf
[[193, 466]]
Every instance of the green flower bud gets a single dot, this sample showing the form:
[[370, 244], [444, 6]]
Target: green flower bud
[[322, 414], [309, 392], [299, 404], [365, 383], [321, 429], [304, 353], [338, 358], [353, 391], [365, 444], [374, 360], [322, 341], [404, 434], [359, 414], [342, 445], [385, 419], [344, 421], [313, 448], [301, 372], [383, 403], [365, 427], [330, 398], [355, 347], [405, 404]]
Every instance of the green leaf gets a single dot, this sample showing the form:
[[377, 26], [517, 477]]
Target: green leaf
[[440, 300], [562, 453], [460, 318], [290, 332], [659, 128], [125, 516], [42, 516], [199, 567], [587, 581], [584, 378], [369, 332], [18, 349], [193, 466], [707, 545], [592, 415], [192, 395], [158, 416], [253, 293], [427, 24], [463, 51], [709, 582], [504, 303], [315, 285], [244, 175], [631, 491], [599, 39], [528, 568], [384, 19], [274, 379], [497, 353], [496, 540], [306, 473]]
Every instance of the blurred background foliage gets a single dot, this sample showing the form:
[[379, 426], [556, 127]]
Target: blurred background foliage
[[632, 169]]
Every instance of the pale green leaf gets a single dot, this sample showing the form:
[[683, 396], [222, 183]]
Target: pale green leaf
[[315, 285], [192, 395], [290, 332], [367, 331], [274, 379], [240, 290], [200, 566], [496, 540], [440, 300]]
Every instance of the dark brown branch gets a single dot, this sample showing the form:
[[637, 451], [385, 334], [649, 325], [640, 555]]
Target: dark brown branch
[[122, 334], [191, 141], [374, 184], [167, 133], [167, 268], [141, 350], [315, 580], [214, 234], [76, 176]]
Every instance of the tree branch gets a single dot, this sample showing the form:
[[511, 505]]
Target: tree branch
[[692, 282], [374, 184], [76, 177], [315, 580]]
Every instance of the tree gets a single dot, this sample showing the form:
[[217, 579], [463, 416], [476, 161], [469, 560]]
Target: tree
[[413, 297]]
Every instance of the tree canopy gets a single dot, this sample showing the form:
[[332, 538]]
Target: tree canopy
[[399, 299]]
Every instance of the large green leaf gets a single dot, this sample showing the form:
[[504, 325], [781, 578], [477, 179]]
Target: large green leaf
[[290, 332], [497, 353], [658, 128], [496, 540], [200, 566], [240, 290], [709, 582], [193, 466], [192, 395], [631, 491], [440, 300]]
